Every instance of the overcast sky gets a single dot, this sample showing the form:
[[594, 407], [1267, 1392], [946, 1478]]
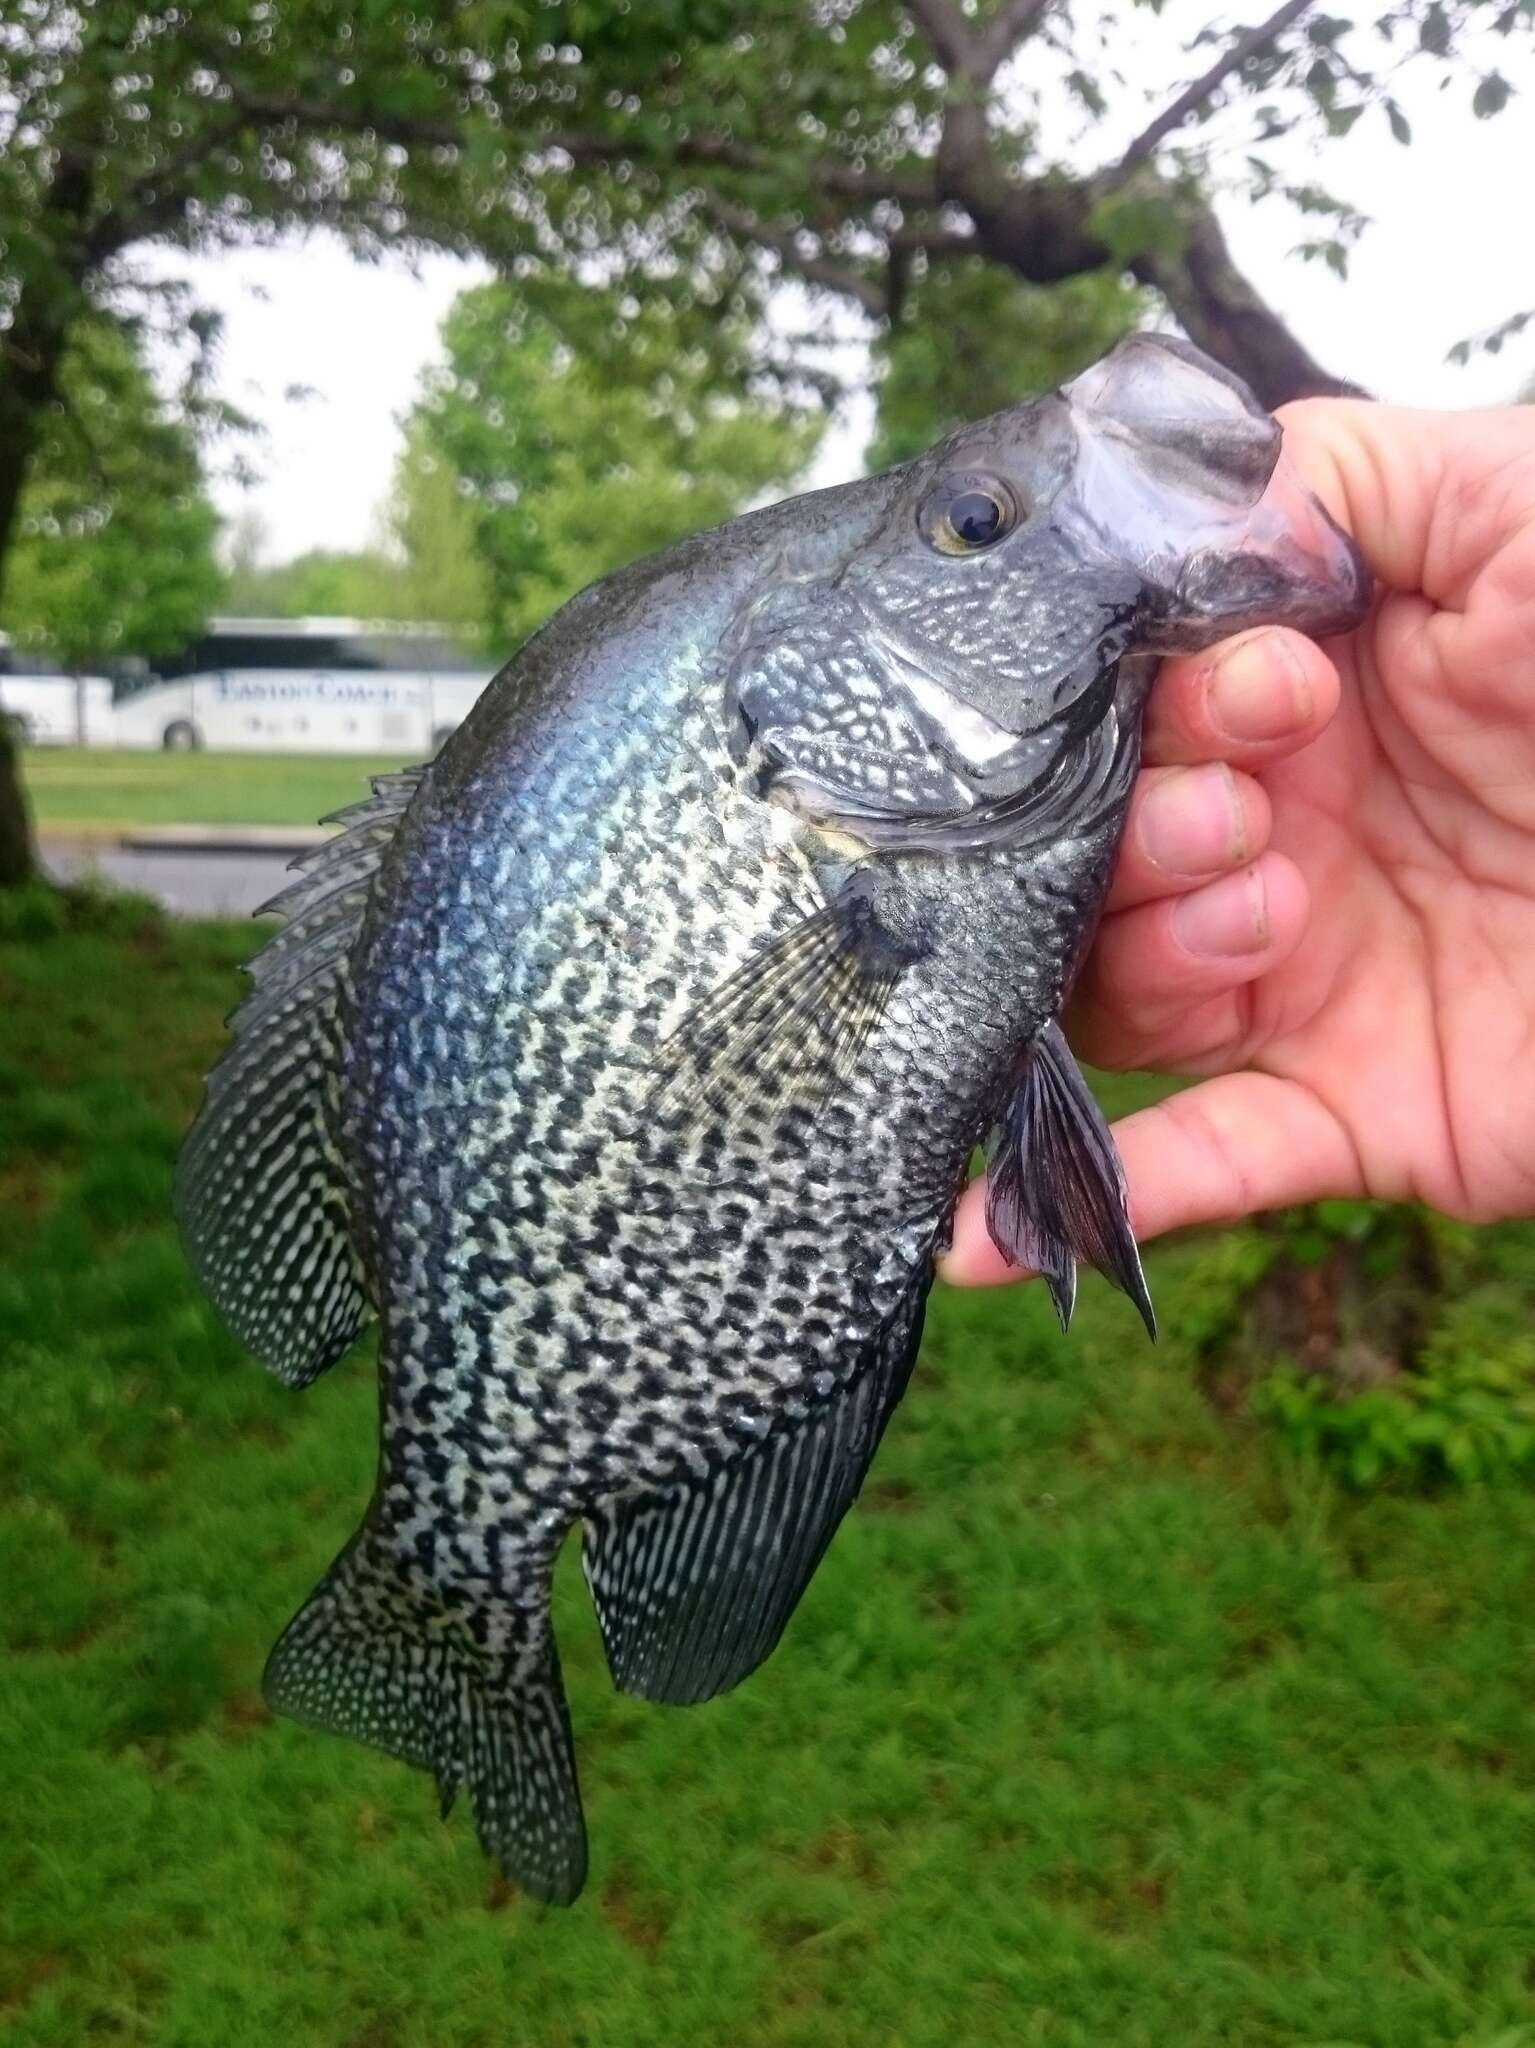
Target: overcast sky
[[1450, 252]]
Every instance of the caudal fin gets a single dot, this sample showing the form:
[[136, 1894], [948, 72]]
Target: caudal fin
[[375, 1657]]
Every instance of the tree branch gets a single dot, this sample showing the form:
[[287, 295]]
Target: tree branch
[[1012, 24], [946, 31], [932, 241], [159, 182], [1193, 97], [413, 131], [826, 175], [975, 54], [1220, 311], [820, 270], [408, 130]]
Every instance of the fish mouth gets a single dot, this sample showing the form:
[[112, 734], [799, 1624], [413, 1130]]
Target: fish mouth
[[1180, 470], [1289, 564]]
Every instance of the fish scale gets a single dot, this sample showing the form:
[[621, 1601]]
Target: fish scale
[[627, 1062]]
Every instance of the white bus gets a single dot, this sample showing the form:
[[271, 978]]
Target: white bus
[[304, 686], [48, 706]]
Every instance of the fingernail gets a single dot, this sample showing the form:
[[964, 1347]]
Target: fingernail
[[1258, 690], [1191, 821], [1228, 918]]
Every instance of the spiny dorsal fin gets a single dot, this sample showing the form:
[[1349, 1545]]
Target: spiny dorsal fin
[[694, 1585], [1056, 1192], [260, 1194]]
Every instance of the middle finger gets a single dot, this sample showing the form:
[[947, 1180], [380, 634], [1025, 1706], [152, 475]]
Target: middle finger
[[1186, 827]]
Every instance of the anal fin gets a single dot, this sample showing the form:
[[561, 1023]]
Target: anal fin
[[1056, 1190], [695, 1584]]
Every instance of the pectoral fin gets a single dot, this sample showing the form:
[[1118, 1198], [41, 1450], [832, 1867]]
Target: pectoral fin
[[1056, 1192], [790, 1024]]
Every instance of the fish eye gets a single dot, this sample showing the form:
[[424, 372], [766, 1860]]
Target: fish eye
[[968, 513]]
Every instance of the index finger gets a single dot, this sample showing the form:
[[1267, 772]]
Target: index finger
[[1248, 702]]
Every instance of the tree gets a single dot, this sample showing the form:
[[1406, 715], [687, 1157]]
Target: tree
[[974, 339], [228, 121], [886, 137], [698, 150], [114, 549], [709, 145], [114, 546], [577, 434], [323, 582], [431, 525], [421, 567]]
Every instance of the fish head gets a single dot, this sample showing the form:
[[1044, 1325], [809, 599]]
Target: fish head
[[1145, 508]]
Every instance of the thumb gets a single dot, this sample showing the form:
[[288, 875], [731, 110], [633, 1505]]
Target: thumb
[[1210, 1154], [1428, 496]]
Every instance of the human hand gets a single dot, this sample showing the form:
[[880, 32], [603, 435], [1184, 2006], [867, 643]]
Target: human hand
[[1359, 976]]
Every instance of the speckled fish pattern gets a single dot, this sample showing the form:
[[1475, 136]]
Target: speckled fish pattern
[[627, 1063]]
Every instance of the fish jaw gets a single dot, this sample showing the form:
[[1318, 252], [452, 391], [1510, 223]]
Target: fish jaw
[[1181, 472], [1289, 563]]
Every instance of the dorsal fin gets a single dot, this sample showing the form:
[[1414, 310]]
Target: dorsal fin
[[694, 1585], [260, 1193]]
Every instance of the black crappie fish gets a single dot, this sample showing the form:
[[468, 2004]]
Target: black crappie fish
[[626, 1062]]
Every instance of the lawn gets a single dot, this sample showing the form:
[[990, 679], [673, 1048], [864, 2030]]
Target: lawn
[[1107, 1720], [92, 790]]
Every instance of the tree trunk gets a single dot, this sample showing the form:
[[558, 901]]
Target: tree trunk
[[17, 864], [1349, 1311], [29, 370], [1045, 232], [29, 374]]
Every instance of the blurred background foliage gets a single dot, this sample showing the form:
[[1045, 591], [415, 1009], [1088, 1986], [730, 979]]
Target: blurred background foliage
[[580, 436], [655, 187], [114, 546]]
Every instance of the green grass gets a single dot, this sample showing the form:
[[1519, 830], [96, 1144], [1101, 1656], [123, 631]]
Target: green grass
[[92, 790], [1105, 1722]]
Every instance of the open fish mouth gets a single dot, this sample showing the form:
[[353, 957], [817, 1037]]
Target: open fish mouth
[[1290, 557], [1168, 444]]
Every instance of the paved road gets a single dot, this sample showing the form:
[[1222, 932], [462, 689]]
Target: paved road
[[194, 883]]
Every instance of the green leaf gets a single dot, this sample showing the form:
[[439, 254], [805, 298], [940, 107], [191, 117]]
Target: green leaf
[[1132, 225], [1491, 96], [1087, 91]]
